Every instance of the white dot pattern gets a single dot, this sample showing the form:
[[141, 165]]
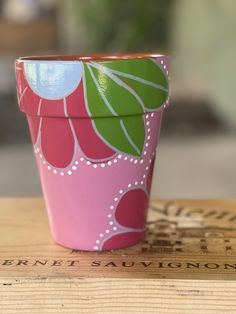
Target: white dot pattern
[[117, 157], [164, 66], [75, 166], [111, 222]]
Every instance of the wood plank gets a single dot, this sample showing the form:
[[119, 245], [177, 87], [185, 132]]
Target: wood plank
[[186, 263]]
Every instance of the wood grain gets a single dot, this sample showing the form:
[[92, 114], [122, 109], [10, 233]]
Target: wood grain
[[186, 264]]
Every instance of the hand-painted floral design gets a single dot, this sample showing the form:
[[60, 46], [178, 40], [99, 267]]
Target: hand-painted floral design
[[131, 214], [115, 95], [95, 126], [122, 89], [124, 238], [57, 134]]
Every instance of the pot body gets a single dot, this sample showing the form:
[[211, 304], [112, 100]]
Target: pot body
[[94, 131]]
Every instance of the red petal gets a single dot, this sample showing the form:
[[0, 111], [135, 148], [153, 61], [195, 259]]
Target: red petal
[[91, 144], [57, 141], [76, 104], [53, 108], [34, 127], [150, 175], [28, 100], [123, 240], [131, 211]]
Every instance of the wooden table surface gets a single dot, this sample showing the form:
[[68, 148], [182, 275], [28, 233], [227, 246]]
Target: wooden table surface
[[186, 263]]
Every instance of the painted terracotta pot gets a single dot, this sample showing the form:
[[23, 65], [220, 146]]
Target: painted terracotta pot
[[94, 123]]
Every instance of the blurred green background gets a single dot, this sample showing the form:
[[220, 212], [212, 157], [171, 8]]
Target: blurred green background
[[197, 152]]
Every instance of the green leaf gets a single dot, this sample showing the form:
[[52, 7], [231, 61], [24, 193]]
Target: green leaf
[[145, 77], [107, 95], [117, 93], [125, 134]]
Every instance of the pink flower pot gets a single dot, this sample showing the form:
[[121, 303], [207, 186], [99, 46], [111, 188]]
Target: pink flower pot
[[94, 123]]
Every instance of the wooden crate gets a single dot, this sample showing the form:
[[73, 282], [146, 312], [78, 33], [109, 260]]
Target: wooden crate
[[186, 264]]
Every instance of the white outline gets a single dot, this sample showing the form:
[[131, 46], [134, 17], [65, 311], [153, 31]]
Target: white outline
[[95, 127], [119, 82], [128, 137], [101, 93], [136, 78], [39, 106], [121, 228], [22, 94], [65, 107]]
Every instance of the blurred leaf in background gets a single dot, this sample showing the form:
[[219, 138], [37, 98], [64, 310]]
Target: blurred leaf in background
[[114, 26]]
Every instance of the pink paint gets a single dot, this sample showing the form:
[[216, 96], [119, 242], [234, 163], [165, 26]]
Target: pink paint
[[96, 197], [79, 203]]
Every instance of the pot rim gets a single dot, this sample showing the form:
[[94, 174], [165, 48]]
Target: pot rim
[[92, 57]]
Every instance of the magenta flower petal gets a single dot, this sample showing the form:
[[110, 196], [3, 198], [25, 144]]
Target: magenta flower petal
[[56, 135], [91, 144], [122, 240], [57, 141], [34, 123], [131, 211], [75, 103], [52, 108]]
